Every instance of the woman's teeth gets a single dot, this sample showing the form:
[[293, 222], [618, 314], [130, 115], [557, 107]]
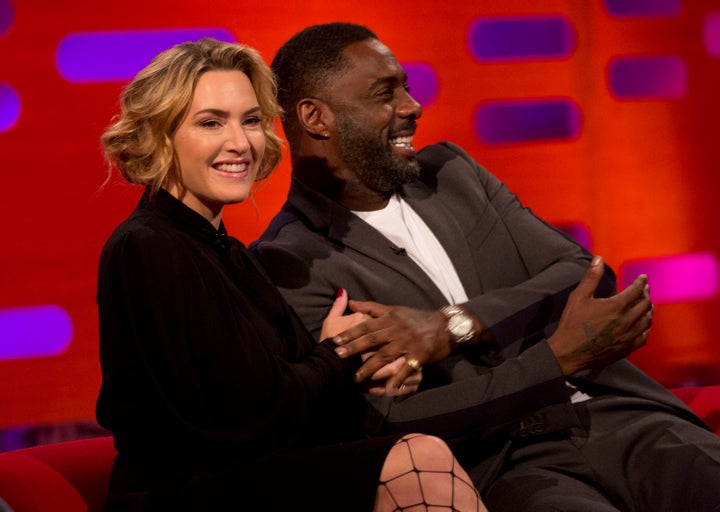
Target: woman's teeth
[[231, 167]]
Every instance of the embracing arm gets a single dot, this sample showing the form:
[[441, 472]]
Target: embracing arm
[[502, 397], [528, 266], [592, 333]]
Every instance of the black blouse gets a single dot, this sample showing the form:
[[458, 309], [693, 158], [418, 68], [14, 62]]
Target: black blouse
[[203, 362]]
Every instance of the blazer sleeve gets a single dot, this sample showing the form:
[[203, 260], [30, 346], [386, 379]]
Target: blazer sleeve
[[525, 266], [522, 396]]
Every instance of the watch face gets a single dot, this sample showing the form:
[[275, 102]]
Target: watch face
[[461, 325]]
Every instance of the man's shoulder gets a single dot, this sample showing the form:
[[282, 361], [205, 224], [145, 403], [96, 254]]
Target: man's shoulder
[[438, 154], [443, 146], [450, 164], [287, 220], [287, 248]]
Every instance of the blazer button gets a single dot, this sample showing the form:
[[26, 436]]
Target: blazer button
[[536, 428], [534, 425]]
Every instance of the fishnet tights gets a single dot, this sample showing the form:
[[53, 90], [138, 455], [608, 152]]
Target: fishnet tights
[[421, 474]]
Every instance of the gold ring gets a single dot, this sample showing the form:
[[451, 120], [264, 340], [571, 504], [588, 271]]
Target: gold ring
[[413, 363]]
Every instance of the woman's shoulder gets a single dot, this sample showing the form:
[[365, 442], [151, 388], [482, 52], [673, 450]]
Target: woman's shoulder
[[140, 223], [143, 232]]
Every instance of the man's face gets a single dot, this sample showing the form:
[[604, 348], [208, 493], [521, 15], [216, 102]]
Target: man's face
[[375, 118]]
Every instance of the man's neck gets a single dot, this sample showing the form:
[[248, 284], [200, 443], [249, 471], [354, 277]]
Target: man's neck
[[361, 199], [339, 184]]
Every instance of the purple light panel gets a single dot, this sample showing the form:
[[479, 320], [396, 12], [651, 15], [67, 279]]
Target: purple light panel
[[506, 122], [423, 81], [657, 77], [7, 15], [622, 8], [682, 278], [510, 38], [711, 34], [578, 232], [9, 107], [36, 331], [118, 56]]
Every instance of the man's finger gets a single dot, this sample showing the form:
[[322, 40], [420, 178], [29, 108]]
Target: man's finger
[[372, 365], [369, 333], [349, 348], [373, 309], [638, 310], [591, 279], [636, 292]]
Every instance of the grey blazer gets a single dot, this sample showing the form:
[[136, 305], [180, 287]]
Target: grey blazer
[[517, 271]]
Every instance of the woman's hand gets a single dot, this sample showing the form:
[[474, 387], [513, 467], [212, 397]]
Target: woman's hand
[[378, 383], [337, 321]]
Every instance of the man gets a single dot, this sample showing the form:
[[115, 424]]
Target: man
[[546, 413]]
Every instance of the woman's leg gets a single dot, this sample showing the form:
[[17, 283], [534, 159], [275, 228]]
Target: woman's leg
[[421, 474]]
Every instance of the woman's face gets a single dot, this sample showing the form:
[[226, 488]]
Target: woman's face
[[219, 144]]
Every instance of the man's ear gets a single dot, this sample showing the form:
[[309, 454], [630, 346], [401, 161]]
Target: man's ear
[[315, 117]]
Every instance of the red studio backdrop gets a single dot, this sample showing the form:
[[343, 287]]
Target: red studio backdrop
[[635, 174]]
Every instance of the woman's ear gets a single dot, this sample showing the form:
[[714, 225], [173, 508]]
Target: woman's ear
[[315, 117]]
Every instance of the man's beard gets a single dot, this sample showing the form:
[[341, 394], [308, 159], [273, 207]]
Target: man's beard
[[372, 160]]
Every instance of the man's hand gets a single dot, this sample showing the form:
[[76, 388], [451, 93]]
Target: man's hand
[[594, 333], [393, 332], [337, 322]]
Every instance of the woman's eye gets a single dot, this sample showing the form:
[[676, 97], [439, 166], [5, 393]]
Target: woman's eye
[[210, 123], [252, 121]]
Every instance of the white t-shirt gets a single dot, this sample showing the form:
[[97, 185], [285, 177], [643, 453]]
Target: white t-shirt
[[399, 223]]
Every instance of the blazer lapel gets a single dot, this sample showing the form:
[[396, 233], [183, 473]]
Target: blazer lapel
[[346, 229], [431, 208]]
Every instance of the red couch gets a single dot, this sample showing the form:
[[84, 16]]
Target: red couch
[[72, 476], [705, 401]]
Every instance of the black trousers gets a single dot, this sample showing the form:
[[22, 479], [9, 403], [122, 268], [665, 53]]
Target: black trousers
[[330, 478], [631, 457]]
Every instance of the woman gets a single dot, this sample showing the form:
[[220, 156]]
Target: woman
[[216, 395]]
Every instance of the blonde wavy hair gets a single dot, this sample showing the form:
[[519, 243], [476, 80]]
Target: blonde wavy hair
[[139, 142]]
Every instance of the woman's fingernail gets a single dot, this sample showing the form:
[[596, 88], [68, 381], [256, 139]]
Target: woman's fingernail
[[339, 293], [341, 351]]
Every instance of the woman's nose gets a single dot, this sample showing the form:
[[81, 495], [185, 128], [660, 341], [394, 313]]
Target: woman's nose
[[237, 139]]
